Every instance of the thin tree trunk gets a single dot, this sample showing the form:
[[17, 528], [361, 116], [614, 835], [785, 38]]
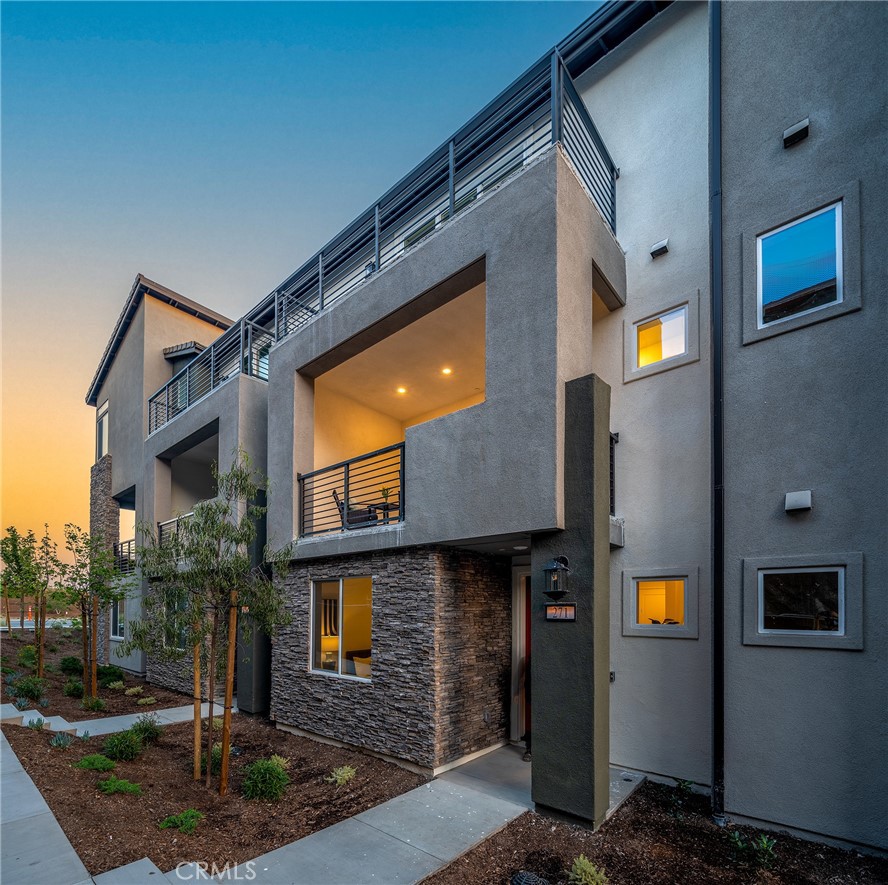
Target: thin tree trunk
[[84, 635], [40, 632], [229, 690], [197, 741], [211, 679], [22, 615], [8, 617], [95, 646]]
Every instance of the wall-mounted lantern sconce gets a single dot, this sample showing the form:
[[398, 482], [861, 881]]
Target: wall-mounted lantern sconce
[[557, 577]]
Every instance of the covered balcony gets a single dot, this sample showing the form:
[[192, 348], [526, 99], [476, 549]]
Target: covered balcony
[[540, 109]]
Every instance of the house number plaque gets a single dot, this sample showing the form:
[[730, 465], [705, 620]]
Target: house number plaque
[[562, 612]]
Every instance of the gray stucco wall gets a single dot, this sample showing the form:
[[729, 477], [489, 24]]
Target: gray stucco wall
[[511, 442], [649, 99], [807, 730]]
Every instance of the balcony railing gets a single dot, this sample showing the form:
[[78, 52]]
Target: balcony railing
[[355, 494], [125, 556], [539, 109], [170, 527]]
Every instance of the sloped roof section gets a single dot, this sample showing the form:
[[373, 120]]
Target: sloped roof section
[[142, 286]]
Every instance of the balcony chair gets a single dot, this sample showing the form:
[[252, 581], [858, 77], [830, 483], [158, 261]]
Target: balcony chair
[[354, 516]]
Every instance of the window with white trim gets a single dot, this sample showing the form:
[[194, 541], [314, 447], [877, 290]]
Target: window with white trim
[[342, 626], [799, 266], [661, 602], [661, 338], [802, 600]]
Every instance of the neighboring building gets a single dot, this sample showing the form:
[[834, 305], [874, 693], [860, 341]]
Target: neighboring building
[[642, 345]]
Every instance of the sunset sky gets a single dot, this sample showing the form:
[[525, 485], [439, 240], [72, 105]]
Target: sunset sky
[[212, 147]]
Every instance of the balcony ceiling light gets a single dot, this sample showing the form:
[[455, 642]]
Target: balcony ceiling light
[[446, 371], [402, 390]]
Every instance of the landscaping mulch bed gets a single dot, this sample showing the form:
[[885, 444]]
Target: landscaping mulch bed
[[62, 643], [647, 842], [109, 831]]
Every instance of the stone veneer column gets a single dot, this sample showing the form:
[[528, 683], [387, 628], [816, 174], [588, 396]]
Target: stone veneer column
[[441, 637], [104, 523]]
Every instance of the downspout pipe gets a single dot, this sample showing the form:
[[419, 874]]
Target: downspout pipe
[[717, 411]]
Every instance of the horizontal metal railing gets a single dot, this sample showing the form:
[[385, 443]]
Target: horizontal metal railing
[[540, 109], [170, 527], [125, 556], [355, 494]]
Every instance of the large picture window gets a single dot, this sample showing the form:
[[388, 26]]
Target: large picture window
[[341, 626], [799, 266], [806, 600]]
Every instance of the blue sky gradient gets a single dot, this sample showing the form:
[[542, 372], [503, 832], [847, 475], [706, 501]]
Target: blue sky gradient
[[213, 147]]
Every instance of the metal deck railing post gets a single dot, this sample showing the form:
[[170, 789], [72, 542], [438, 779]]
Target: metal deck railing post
[[451, 173], [320, 281], [376, 236]]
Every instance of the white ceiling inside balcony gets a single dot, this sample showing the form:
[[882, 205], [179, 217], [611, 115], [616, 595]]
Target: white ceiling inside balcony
[[413, 358]]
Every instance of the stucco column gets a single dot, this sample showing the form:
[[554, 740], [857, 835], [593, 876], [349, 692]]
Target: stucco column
[[569, 661], [104, 523]]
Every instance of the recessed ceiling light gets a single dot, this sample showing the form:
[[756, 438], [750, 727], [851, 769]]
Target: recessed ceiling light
[[402, 390], [446, 371], [520, 547]]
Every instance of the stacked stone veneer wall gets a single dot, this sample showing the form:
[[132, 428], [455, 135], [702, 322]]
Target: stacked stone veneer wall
[[176, 675], [441, 637], [104, 523]]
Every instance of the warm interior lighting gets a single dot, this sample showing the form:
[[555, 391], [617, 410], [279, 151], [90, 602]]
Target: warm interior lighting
[[446, 371], [661, 338], [402, 390], [660, 602]]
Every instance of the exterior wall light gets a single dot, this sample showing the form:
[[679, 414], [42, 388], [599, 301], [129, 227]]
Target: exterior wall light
[[557, 574]]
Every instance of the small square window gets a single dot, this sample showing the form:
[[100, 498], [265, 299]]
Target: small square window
[[799, 266], [808, 600], [661, 338], [342, 627], [661, 602], [804, 601]]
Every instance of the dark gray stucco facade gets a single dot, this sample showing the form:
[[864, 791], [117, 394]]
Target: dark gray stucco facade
[[805, 409]]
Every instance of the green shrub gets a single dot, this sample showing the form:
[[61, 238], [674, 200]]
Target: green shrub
[[43, 702], [115, 685], [73, 689], [281, 760], [71, 666], [92, 704], [341, 776], [216, 766], [27, 656], [49, 668], [30, 687], [265, 780], [113, 784], [147, 727], [109, 673], [762, 847], [146, 702], [85, 736], [123, 746], [12, 677], [95, 762], [36, 724], [186, 822], [61, 741], [217, 723], [52, 649], [132, 692], [584, 872], [22, 704]]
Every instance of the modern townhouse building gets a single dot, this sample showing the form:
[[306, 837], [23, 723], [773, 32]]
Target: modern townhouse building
[[586, 402]]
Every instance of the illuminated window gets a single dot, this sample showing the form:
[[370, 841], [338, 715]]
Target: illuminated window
[[341, 627], [660, 601], [799, 266], [102, 431], [807, 600], [661, 338]]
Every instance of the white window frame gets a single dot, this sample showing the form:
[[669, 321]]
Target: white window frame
[[839, 266], [690, 574], [691, 306], [103, 414], [676, 356], [118, 616], [839, 569], [337, 673]]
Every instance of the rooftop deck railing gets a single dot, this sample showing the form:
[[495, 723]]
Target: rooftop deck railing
[[170, 527], [356, 494], [539, 109]]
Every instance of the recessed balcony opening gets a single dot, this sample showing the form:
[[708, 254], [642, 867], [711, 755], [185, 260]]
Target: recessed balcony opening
[[364, 407], [191, 481]]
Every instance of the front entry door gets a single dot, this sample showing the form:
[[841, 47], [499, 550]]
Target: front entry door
[[520, 718]]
